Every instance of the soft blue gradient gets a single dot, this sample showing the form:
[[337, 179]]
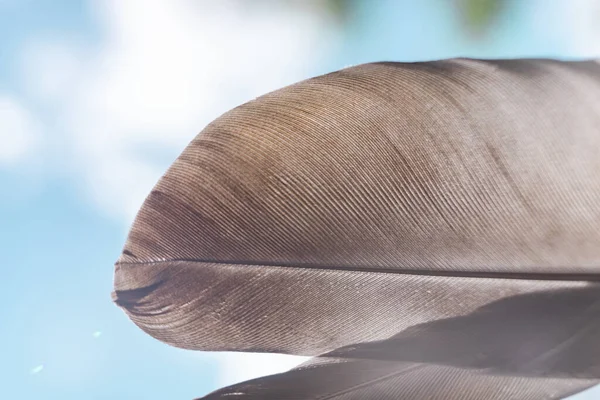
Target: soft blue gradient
[[58, 250]]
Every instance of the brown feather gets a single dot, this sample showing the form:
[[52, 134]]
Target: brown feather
[[455, 199]]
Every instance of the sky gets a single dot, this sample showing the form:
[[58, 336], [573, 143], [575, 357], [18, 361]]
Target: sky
[[97, 98]]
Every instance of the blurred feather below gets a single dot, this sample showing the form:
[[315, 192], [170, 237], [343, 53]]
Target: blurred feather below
[[535, 346]]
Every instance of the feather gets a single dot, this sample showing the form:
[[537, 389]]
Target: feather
[[429, 230]]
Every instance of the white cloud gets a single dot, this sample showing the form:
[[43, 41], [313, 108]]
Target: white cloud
[[239, 367], [19, 136], [583, 18], [164, 71], [50, 68], [573, 24]]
